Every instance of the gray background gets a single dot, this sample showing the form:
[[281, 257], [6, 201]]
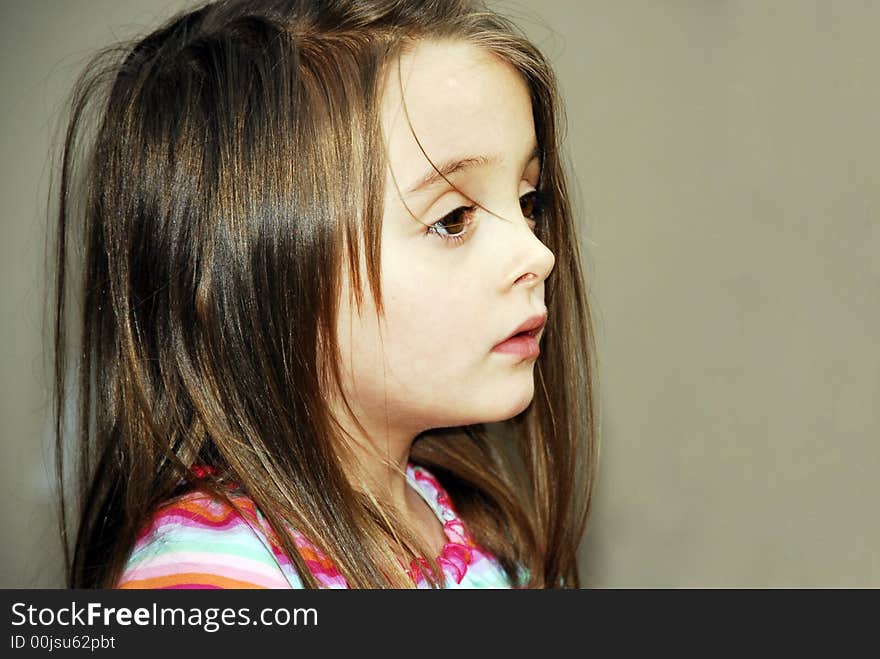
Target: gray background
[[727, 172]]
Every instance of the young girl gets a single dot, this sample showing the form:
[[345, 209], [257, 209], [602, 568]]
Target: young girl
[[332, 330]]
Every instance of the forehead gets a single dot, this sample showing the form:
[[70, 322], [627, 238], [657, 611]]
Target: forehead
[[450, 98]]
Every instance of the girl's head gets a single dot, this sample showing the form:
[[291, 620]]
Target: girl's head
[[306, 225]]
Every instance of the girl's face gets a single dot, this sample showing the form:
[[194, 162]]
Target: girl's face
[[457, 282]]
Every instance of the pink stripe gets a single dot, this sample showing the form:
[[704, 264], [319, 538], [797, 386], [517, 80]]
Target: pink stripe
[[192, 518]]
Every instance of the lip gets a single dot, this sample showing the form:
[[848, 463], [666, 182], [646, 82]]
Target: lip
[[523, 340]]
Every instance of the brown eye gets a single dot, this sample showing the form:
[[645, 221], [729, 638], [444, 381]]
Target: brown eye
[[530, 205], [453, 226], [456, 222]]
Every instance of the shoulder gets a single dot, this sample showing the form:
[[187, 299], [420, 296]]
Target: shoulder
[[198, 541]]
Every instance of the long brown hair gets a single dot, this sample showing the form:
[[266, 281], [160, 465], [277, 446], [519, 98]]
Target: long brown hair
[[233, 161]]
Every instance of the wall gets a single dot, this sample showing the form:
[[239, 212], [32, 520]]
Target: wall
[[726, 170]]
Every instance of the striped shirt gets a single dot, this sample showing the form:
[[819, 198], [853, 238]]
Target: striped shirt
[[197, 541]]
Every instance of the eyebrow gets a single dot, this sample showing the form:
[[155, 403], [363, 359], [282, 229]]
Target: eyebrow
[[457, 164]]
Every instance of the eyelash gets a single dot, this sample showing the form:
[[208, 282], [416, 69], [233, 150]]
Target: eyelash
[[536, 197]]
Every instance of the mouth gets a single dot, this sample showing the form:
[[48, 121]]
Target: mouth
[[523, 341], [529, 327], [532, 333]]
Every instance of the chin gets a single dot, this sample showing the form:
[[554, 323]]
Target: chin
[[517, 410], [491, 405], [504, 407]]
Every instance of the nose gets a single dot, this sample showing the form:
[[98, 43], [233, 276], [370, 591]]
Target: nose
[[531, 260]]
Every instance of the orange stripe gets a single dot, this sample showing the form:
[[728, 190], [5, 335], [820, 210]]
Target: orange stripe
[[313, 555], [184, 578], [204, 509]]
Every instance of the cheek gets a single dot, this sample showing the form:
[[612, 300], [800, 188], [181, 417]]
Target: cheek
[[435, 320], [431, 362]]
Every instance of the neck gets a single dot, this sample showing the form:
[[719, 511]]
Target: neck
[[376, 455]]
